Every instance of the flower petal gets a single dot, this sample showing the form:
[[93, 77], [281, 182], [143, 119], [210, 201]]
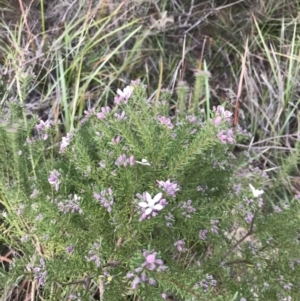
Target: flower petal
[[148, 211], [252, 188], [259, 192], [256, 192], [157, 198], [158, 207], [148, 197], [135, 282], [120, 93], [143, 204]]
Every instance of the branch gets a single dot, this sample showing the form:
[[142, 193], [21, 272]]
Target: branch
[[250, 232]]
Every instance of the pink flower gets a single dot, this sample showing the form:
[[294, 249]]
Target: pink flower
[[226, 137], [65, 142], [191, 119], [151, 261], [230, 140], [89, 112], [222, 137], [218, 121], [124, 161], [116, 140], [43, 125], [202, 234], [104, 112], [143, 277], [179, 245], [120, 116], [54, 179], [169, 187], [131, 160], [135, 282], [249, 217], [166, 121]]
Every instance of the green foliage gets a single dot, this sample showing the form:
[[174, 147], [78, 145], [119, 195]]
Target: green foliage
[[72, 214]]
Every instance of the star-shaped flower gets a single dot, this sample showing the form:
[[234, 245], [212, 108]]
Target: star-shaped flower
[[150, 204], [256, 192]]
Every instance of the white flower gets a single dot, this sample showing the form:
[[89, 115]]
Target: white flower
[[76, 198], [150, 204], [220, 111], [256, 192], [126, 93], [143, 162], [227, 114]]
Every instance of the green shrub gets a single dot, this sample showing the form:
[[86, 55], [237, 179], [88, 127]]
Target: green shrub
[[137, 203]]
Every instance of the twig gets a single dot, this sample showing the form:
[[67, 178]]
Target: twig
[[250, 232], [85, 281], [237, 262]]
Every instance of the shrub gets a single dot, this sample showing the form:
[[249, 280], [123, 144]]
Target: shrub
[[137, 203]]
